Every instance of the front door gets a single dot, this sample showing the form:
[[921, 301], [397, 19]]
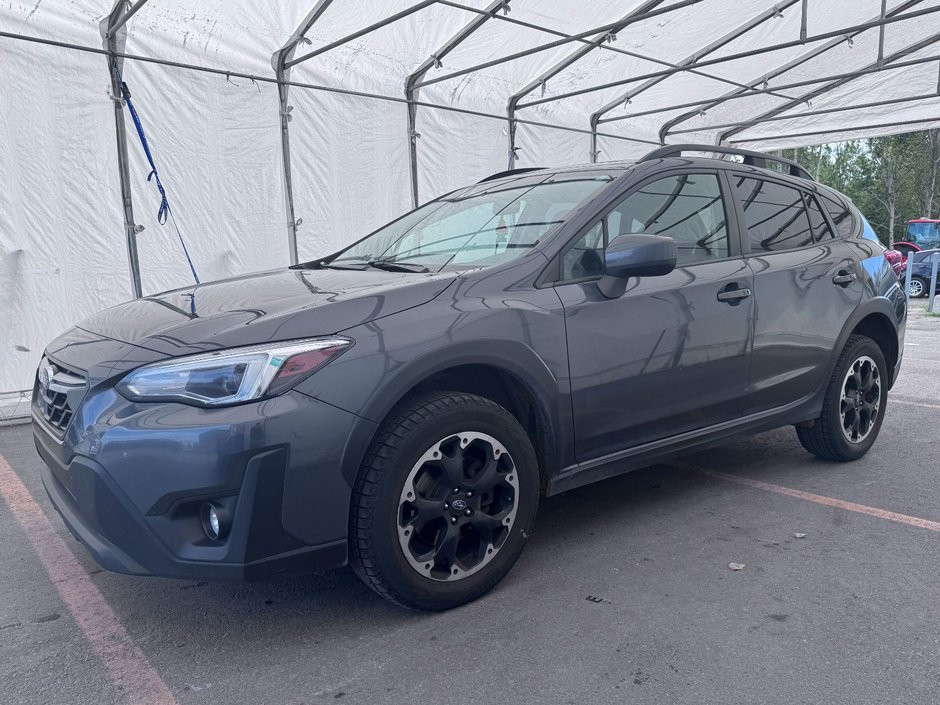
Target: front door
[[672, 354]]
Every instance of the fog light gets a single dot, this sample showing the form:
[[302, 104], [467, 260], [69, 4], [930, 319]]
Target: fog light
[[215, 521]]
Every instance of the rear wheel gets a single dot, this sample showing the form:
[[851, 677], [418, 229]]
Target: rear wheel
[[444, 501], [854, 405], [918, 288]]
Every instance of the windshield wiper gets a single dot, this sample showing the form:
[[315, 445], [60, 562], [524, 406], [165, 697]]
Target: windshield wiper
[[392, 266], [329, 265]]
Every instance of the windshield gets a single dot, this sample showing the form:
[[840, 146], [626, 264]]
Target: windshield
[[479, 226], [924, 234]]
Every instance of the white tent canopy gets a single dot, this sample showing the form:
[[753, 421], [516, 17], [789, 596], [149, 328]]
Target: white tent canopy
[[283, 130]]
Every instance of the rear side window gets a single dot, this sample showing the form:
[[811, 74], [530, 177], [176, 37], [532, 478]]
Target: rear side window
[[775, 215], [841, 216], [817, 222]]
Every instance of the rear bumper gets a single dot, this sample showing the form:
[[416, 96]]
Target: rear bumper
[[130, 489]]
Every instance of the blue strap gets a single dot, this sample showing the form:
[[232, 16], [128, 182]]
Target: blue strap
[[164, 210]]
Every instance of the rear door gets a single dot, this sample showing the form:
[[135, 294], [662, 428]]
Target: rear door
[[807, 283]]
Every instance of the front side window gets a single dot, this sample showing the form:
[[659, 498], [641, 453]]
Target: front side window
[[775, 215], [479, 226], [688, 208]]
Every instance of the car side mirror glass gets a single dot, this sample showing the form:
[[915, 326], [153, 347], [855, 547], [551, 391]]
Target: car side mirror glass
[[635, 256]]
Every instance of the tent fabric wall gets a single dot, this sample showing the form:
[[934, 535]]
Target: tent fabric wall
[[217, 137]]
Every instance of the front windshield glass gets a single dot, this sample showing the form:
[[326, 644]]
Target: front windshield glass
[[479, 226]]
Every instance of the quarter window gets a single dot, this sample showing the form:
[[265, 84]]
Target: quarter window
[[585, 258], [841, 216], [775, 215], [817, 221]]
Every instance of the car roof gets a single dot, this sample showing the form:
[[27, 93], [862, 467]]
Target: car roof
[[624, 166]]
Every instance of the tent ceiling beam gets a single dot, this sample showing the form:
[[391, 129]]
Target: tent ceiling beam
[[814, 133], [832, 85], [362, 32], [310, 86], [572, 58], [763, 91], [840, 33], [124, 17], [839, 39], [770, 13], [415, 76], [808, 113], [584, 37]]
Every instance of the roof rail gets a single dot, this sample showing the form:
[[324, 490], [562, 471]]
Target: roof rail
[[758, 159], [510, 172]]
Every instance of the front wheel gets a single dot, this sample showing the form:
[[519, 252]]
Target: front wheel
[[444, 501], [854, 405]]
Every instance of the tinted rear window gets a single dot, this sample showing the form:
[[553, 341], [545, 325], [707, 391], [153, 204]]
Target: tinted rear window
[[817, 222], [775, 214], [841, 216]]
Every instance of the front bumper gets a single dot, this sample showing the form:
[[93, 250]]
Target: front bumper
[[129, 480]]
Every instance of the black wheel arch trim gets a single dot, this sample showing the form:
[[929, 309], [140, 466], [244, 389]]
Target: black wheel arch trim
[[503, 355], [881, 306]]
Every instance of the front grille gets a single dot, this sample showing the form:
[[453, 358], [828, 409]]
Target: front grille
[[57, 393]]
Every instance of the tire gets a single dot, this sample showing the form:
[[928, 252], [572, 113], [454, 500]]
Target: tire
[[836, 435], [404, 508], [919, 287]]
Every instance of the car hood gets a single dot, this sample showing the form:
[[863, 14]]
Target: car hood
[[269, 306]]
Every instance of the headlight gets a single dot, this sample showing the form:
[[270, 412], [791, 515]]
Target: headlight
[[231, 376]]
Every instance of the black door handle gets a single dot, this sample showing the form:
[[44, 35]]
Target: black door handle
[[733, 294], [843, 278]]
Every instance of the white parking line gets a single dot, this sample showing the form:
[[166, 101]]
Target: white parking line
[[895, 400]]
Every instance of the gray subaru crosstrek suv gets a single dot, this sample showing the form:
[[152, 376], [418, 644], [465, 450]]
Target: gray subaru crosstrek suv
[[402, 404]]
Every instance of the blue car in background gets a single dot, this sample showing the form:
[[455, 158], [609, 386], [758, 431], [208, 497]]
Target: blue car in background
[[921, 270]]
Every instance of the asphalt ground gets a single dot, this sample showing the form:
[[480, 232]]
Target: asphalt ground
[[623, 595]]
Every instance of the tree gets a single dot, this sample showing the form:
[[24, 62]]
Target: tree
[[932, 149]]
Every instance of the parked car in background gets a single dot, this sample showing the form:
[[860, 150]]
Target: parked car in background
[[402, 404], [921, 270]]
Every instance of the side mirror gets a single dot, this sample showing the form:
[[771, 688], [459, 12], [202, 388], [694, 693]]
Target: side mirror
[[635, 256]]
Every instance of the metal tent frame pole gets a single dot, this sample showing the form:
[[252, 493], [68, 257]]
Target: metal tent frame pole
[[279, 61], [893, 17], [411, 90], [809, 113], [860, 128], [583, 37], [309, 86], [607, 35], [837, 40], [880, 62], [114, 36], [753, 91], [689, 61]]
